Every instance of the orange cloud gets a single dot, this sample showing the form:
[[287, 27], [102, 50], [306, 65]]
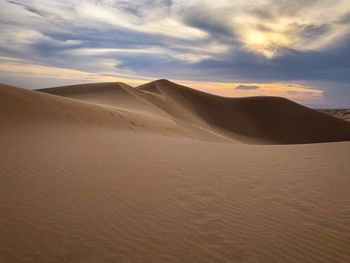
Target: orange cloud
[[294, 91]]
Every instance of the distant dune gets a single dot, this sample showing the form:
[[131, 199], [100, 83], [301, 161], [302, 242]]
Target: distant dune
[[259, 120], [255, 119], [165, 173], [343, 114]]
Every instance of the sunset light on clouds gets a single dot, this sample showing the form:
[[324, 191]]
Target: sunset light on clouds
[[296, 49], [175, 131]]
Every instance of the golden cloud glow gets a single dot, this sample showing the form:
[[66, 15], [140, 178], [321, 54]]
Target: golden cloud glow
[[266, 43], [307, 28], [294, 91], [21, 68]]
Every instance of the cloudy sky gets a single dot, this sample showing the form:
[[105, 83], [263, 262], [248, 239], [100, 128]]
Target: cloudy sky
[[299, 49]]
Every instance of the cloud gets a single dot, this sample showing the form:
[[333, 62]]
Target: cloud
[[247, 87], [294, 92], [344, 19], [227, 41], [23, 70]]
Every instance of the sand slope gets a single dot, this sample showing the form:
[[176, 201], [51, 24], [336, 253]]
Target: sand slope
[[258, 120], [78, 183], [255, 119], [112, 94], [124, 97], [23, 108]]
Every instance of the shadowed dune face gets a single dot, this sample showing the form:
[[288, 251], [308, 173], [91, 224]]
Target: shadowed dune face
[[257, 120], [86, 177]]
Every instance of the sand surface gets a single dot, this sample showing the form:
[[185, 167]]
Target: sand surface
[[163, 173], [343, 114]]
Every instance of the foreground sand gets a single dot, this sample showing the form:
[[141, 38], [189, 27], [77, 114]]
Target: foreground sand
[[86, 182]]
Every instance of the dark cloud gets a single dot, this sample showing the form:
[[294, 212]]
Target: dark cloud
[[29, 8], [310, 31], [330, 63], [247, 87], [265, 14], [202, 19], [292, 65], [344, 19]]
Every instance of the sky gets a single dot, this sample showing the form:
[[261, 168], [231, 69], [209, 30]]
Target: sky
[[299, 49]]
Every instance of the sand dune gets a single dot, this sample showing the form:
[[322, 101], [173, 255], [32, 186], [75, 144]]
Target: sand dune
[[124, 97], [343, 114], [255, 119], [258, 120], [87, 177], [112, 94], [21, 107]]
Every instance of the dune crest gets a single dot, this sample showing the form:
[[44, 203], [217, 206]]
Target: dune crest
[[20, 107], [262, 120], [257, 120]]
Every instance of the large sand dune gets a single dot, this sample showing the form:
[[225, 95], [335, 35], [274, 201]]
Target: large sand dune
[[255, 119], [111, 173], [259, 120]]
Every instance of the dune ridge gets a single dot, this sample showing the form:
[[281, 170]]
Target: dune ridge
[[20, 107], [257, 120], [87, 177]]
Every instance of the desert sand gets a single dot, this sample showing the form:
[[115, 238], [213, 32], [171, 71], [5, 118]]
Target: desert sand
[[164, 173], [343, 114]]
